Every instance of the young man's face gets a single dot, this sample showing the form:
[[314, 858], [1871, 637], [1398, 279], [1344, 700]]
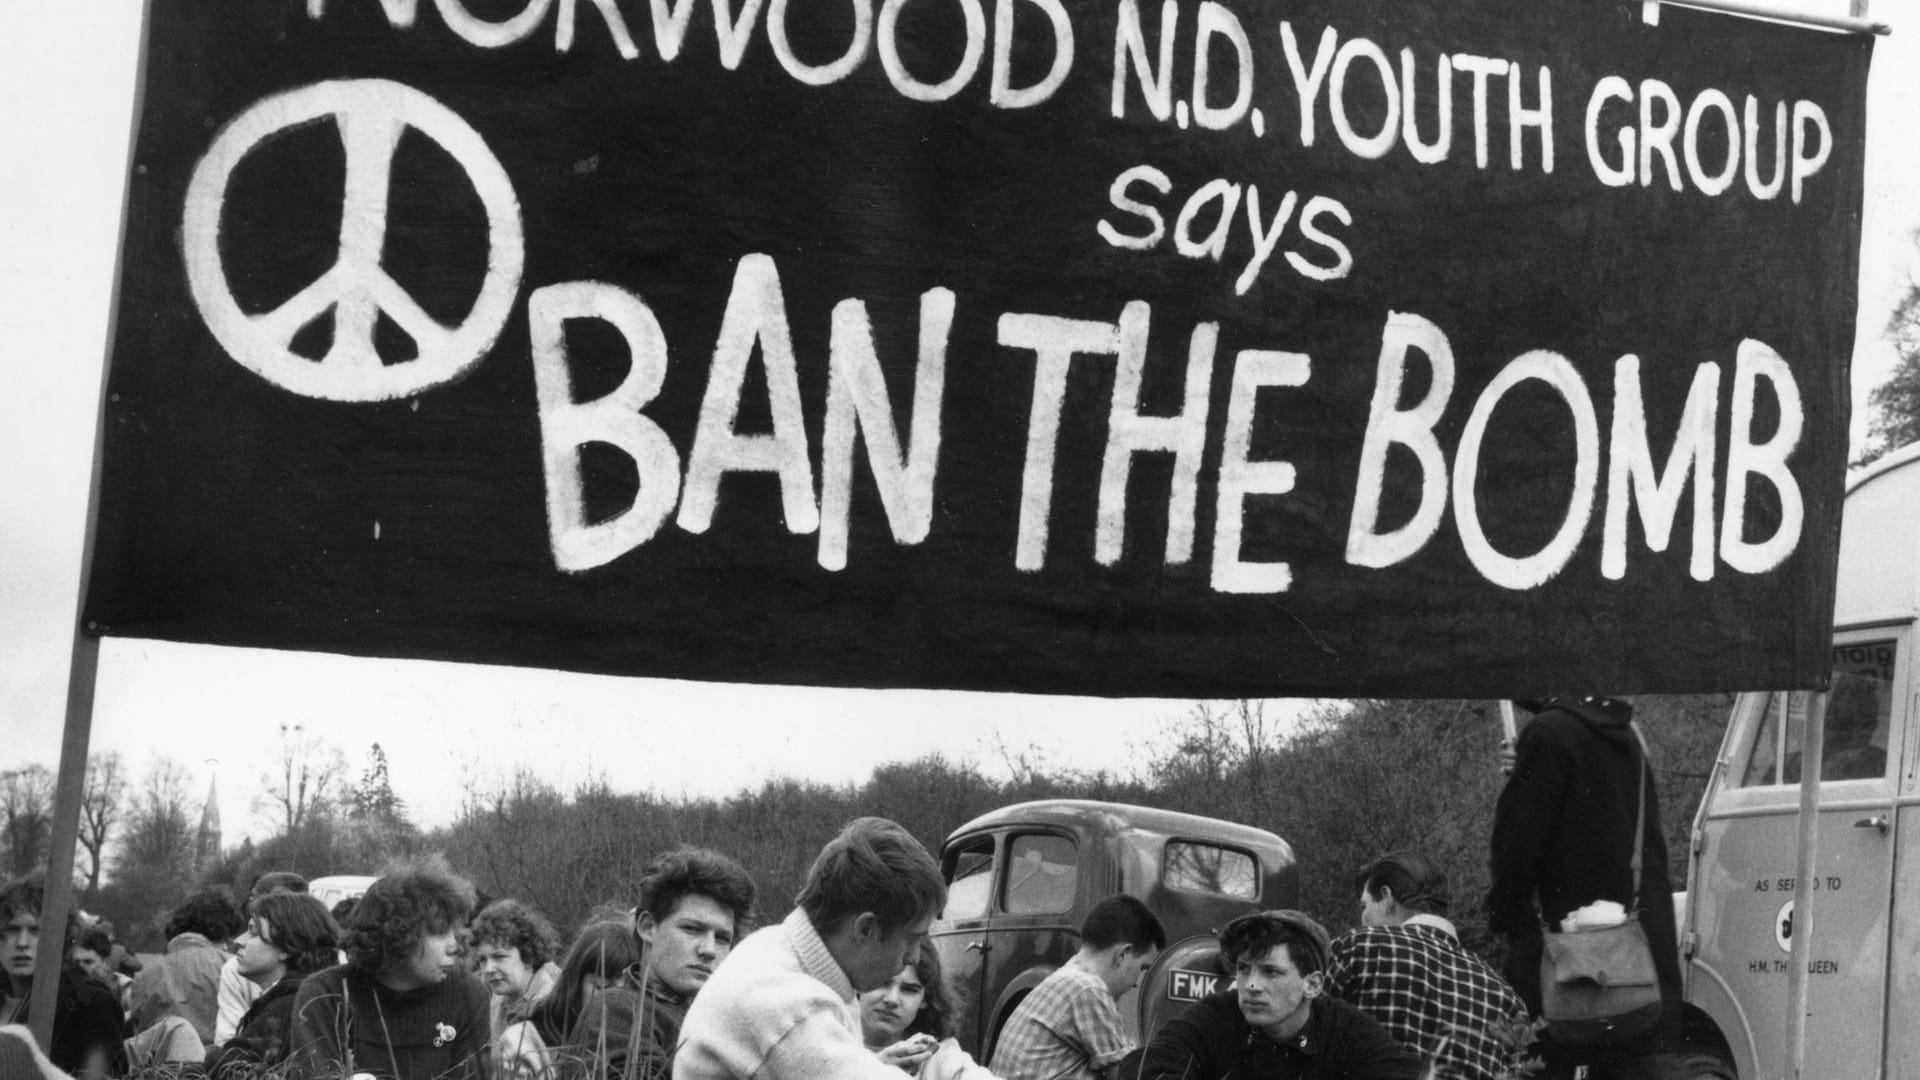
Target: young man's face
[[1128, 964], [1274, 997], [90, 962], [685, 947], [1378, 910], [19, 944], [878, 956], [259, 957]]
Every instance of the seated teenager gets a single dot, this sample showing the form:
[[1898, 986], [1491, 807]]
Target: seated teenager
[[90, 955], [403, 1006], [289, 936], [1274, 1023], [86, 1018], [514, 945], [904, 1021], [1070, 1027], [693, 902], [185, 982], [237, 992], [598, 957], [783, 1006]]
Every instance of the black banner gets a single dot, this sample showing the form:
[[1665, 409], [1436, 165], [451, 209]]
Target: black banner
[[1209, 349]]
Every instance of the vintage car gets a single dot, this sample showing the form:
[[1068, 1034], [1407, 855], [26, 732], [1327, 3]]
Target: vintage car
[[1021, 879]]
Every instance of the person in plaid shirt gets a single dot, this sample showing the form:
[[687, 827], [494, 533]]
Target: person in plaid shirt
[[1069, 1027], [1406, 968]]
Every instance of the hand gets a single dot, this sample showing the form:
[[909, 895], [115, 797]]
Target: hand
[[949, 1062], [910, 1053], [521, 1055], [1507, 758]]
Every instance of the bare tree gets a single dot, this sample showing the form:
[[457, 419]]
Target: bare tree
[[1203, 750], [1027, 767], [26, 799], [301, 785], [1200, 750], [160, 825], [101, 801]]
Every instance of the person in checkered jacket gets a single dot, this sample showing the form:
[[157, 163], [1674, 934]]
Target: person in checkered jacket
[[1405, 967]]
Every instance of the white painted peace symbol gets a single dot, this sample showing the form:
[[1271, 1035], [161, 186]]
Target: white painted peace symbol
[[372, 115]]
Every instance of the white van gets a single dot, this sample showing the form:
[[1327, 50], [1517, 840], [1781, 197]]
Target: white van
[[332, 890], [1738, 918]]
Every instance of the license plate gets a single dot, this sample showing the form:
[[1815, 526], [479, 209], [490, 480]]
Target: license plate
[[1183, 985]]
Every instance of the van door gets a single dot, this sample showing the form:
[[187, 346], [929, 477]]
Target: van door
[[1903, 964], [1744, 891]]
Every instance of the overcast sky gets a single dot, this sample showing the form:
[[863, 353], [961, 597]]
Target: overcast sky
[[66, 80]]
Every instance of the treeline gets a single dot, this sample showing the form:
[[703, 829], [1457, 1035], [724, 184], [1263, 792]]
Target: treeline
[[1348, 782], [1342, 784], [147, 839]]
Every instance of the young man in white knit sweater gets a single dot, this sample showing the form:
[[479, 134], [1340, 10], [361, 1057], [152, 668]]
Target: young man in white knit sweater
[[785, 1005]]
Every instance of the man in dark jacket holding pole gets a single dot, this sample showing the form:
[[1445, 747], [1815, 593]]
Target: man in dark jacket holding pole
[[1562, 839]]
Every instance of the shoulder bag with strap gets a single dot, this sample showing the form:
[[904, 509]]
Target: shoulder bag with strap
[[1598, 986]]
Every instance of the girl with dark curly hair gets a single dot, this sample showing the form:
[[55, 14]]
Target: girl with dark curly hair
[[905, 1020], [403, 1006]]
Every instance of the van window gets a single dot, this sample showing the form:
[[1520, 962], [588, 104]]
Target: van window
[[970, 880], [1207, 868], [1859, 719], [1041, 875]]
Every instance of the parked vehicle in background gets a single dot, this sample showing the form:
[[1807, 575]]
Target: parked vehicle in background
[[1738, 915], [1020, 881], [332, 890]]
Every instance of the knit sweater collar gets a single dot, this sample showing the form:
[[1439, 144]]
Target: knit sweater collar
[[814, 957]]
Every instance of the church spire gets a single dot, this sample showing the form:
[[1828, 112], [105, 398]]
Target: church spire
[[206, 844]]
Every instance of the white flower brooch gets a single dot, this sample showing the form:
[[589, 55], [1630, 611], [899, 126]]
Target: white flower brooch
[[443, 1034]]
